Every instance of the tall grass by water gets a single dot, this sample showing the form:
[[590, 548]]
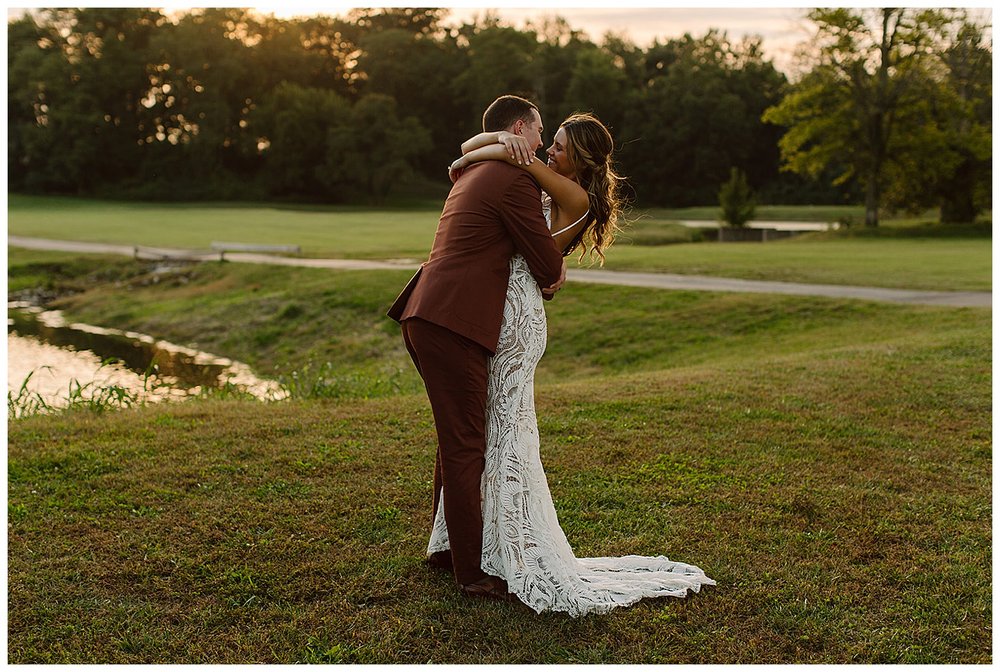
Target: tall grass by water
[[827, 461], [102, 396]]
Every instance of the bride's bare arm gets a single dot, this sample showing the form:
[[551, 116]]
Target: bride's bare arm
[[517, 145], [569, 196], [492, 152], [481, 140], [570, 199]]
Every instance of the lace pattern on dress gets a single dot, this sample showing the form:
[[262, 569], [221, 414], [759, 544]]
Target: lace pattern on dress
[[522, 540]]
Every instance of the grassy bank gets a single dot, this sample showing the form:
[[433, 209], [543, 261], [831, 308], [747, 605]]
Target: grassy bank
[[937, 259], [840, 497], [282, 319]]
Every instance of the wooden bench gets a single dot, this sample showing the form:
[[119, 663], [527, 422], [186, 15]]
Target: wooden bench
[[144, 252], [222, 248]]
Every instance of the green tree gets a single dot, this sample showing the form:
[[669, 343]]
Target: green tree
[[501, 60], [204, 89], [736, 200], [418, 71], [415, 20], [558, 47], [969, 63], [626, 56], [597, 84], [294, 121], [330, 44], [35, 69], [860, 106], [76, 82], [950, 166], [371, 150], [227, 103], [279, 54], [696, 115]]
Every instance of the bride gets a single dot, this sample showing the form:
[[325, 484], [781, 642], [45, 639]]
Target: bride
[[523, 543]]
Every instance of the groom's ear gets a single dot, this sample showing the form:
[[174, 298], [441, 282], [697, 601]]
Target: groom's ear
[[518, 127]]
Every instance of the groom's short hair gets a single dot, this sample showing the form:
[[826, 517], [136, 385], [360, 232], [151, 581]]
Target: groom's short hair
[[505, 110]]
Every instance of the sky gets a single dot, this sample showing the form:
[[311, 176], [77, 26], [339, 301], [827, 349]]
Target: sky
[[782, 28]]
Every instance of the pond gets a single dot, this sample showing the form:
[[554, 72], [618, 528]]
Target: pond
[[55, 360]]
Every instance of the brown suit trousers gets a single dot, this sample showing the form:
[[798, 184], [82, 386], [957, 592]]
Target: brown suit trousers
[[459, 407]]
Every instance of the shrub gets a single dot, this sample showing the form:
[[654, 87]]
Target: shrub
[[736, 200]]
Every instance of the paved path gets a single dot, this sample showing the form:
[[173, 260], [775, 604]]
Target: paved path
[[714, 284], [657, 280], [147, 252], [761, 224]]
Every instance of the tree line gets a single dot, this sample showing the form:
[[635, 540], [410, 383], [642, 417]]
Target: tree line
[[228, 104]]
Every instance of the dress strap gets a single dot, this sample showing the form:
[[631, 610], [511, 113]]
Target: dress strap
[[562, 230]]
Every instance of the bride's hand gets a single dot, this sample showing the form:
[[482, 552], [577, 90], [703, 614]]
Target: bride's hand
[[456, 168], [517, 146]]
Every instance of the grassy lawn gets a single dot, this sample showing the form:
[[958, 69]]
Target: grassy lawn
[[650, 244], [906, 263], [828, 462], [840, 497], [351, 232]]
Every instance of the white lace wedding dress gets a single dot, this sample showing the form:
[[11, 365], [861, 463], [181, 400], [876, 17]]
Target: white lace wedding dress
[[522, 540]]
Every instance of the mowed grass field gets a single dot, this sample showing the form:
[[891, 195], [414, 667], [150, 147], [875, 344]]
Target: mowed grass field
[[955, 262], [828, 462]]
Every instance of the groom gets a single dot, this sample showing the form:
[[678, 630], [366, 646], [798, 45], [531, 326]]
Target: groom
[[451, 311]]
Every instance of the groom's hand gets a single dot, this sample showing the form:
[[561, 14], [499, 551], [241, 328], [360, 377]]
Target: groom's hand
[[549, 292]]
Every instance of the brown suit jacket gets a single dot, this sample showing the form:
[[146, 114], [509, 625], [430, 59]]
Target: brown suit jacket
[[492, 212]]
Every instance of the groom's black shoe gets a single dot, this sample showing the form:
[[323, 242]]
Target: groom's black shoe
[[441, 560], [490, 588]]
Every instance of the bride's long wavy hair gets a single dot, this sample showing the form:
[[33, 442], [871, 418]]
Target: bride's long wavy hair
[[589, 146]]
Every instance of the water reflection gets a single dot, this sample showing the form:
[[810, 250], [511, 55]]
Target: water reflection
[[56, 374], [62, 354]]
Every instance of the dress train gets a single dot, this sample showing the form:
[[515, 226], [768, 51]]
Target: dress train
[[523, 542]]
